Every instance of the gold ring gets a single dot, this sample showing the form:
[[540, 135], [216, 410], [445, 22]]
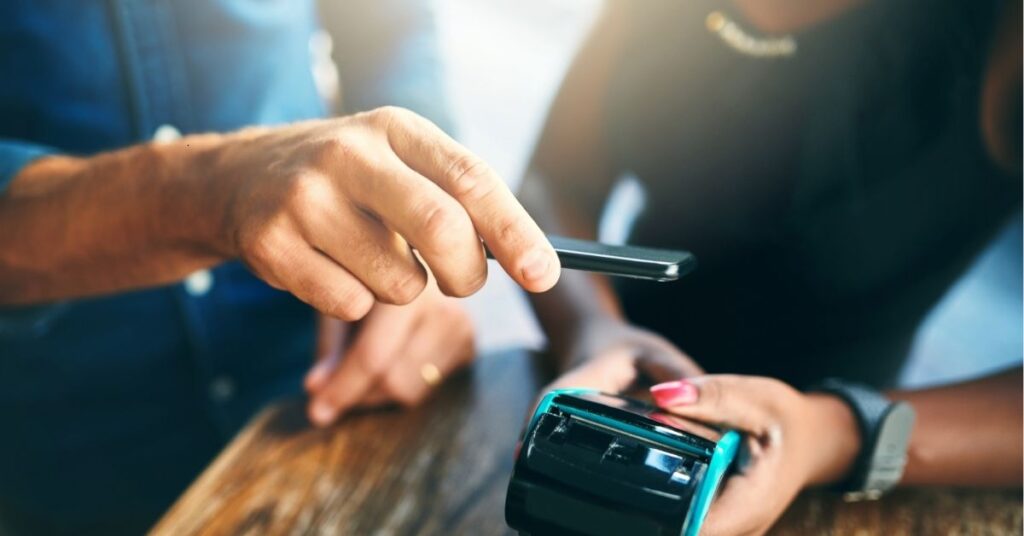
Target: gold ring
[[431, 374]]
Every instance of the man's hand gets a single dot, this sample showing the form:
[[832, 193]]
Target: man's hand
[[615, 357], [397, 355], [794, 440], [327, 209]]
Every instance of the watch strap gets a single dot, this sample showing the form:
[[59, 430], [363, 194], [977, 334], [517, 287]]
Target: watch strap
[[884, 427]]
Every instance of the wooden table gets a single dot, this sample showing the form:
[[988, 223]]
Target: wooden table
[[443, 469]]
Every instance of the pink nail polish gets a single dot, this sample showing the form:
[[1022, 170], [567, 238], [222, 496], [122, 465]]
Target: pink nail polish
[[676, 393]]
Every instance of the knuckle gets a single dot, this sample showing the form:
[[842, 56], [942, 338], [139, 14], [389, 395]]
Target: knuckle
[[387, 115], [390, 110], [443, 224], [468, 284], [510, 231], [399, 392], [329, 150], [371, 362], [332, 150], [405, 288], [711, 394], [468, 178], [304, 191], [349, 304], [262, 244]]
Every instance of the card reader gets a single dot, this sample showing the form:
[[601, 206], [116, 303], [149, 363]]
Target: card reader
[[590, 463]]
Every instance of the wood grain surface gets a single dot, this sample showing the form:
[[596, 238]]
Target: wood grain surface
[[443, 468]]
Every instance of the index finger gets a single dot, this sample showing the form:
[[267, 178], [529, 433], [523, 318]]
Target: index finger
[[510, 233], [740, 402]]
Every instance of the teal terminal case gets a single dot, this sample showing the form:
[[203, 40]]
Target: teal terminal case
[[590, 463]]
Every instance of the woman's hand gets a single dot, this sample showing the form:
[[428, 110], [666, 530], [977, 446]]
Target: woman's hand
[[615, 357], [794, 439], [397, 354]]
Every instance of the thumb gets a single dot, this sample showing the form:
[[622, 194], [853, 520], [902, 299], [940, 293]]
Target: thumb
[[658, 365], [735, 402]]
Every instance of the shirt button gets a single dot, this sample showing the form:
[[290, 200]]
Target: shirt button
[[222, 389], [715, 21], [199, 283], [166, 134]]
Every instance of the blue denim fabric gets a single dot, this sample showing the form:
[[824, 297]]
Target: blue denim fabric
[[110, 406]]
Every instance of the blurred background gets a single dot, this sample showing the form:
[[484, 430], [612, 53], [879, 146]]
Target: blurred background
[[843, 189], [980, 317]]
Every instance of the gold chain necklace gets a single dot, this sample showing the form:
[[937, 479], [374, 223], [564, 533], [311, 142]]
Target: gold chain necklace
[[739, 40]]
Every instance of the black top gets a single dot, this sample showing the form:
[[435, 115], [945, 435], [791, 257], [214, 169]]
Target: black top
[[831, 196]]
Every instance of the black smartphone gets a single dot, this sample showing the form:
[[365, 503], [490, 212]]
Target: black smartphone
[[622, 261]]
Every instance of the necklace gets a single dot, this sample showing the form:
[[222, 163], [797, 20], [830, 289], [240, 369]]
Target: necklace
[[741, 41]]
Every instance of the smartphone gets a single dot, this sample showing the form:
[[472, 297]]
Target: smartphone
[[622, 261]]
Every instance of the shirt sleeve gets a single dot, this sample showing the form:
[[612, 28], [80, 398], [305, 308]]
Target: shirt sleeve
[[15, 155], [32, 320], [387, 53]]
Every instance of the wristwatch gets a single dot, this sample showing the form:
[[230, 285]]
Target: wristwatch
[[885, 427]]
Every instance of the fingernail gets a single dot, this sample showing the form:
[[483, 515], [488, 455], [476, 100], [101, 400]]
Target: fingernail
[[537, 265], [322, 413], [677, 393], [316, 375]]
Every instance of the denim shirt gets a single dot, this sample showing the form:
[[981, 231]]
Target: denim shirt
[[110, 406]]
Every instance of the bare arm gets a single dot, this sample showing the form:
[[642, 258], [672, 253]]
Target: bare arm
[[968, 434], [965, 434], [125, 219], [325, 209], [566, 186]]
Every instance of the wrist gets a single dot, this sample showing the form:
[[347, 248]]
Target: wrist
[[573, 336], [838, 438], [200, 191], [594, 330]]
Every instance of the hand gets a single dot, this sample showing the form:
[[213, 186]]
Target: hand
[[794, 440], [328, 210], [396, 355], [615, 357]]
